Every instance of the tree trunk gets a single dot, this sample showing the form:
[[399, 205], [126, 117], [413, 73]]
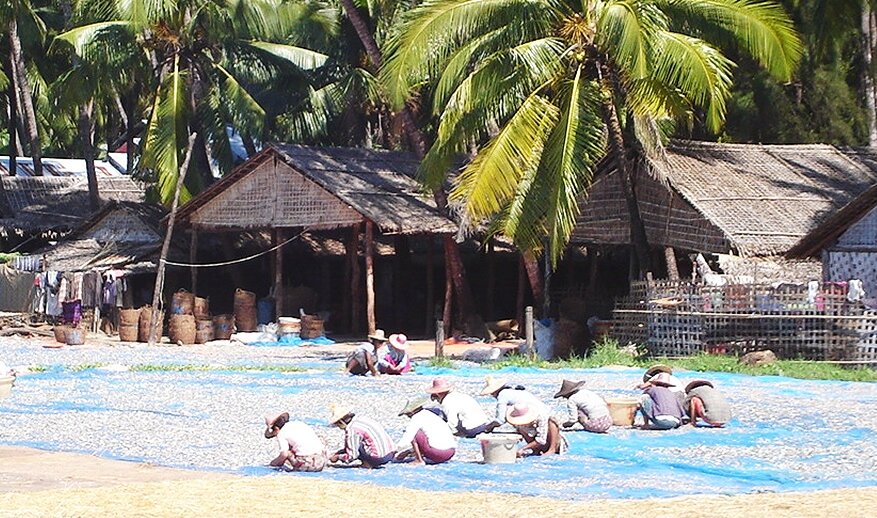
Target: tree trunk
[[86, 136], [30, 116], [418, 144], [869, 93], [159, 274], [626, 171], [12, 104], [531, 265], [672, 268]]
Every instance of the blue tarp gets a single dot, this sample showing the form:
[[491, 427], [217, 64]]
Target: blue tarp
[[295, 341], [785, 436]]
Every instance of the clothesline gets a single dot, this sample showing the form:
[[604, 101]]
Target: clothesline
[[235, 261]]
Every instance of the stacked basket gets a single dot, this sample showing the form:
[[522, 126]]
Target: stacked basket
[[245, 310]]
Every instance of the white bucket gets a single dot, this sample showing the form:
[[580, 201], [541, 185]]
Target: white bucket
[[499, 448], [6, 386]]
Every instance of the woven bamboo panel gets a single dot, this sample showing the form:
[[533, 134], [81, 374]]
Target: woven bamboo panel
[[680, 318], [866, 348], [862, 233], [843, 266], [275, 196]]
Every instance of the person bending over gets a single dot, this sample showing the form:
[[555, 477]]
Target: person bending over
[[427, 437]]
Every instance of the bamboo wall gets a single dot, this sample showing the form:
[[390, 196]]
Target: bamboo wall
[[681, 319]]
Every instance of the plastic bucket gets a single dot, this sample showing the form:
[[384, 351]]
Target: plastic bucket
[[499, 448], [6, 386], [75, 337], [622, 410]]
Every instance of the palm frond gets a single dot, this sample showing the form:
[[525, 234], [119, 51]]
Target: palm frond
[[624, 35], [432, 31], [303, 58], [762, 28], [246, 113], [699, 71], [166, 136], [572, 150], [488, 183]]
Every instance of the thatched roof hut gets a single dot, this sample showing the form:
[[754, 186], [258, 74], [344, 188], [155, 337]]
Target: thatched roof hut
[[745, 199], [122, 235], [319, 188], [58, 202]]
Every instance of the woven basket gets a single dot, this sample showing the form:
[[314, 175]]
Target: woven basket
[[182, 303], [223, 327], [201, 308], [182, 329], [145, 323], [60, 333], [128, 333]]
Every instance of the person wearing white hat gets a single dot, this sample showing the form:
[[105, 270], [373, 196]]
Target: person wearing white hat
[[364, 439], [363, 359], [428, 436], [507, 396], [300, 448], [540, 431], [393, 356], [465, 416]]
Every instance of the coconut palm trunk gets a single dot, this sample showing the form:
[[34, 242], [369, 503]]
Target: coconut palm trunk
[[12, 127], [417, 141], [30, 117], [626, 172], [869, 91], [86, 137]]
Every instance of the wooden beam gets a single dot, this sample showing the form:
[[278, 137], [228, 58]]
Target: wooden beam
[[449, 296], [277, 238], [672, 268], [193, 259], [430, 286], [355, 280], [370, 275]]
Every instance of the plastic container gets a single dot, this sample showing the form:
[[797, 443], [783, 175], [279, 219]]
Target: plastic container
[[288, 325], [499, 448], [6, 386], [75, 337], [622, 410], [265, 311]]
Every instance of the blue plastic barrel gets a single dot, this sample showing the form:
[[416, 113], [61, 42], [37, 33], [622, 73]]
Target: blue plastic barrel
[[265, 310]]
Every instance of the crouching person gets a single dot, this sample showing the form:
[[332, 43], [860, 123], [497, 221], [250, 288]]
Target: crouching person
[[707, 404], [300, 448], [365, 440], [584, 407], [427, 435], [660, 407], [540, 432]]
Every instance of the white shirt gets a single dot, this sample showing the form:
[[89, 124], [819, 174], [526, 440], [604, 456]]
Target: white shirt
[[510, 397], [437, 432], [300, 439], [589, 403], [463, 411], [366, 346]]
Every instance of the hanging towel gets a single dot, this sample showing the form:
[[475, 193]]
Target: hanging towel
[[856, 291], [812, 291], [16, 290]]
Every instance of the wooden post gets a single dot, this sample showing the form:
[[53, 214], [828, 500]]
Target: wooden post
[[355, 281], [430, 286], [672, 268], [491, 281], [162, 259], [193, 258], [370, 275], [449, 297], [278, 273], [528, 332], [546, 286], [522, 288], [439, 339]]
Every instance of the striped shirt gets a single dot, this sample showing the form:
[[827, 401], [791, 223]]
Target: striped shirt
[[367, 436]]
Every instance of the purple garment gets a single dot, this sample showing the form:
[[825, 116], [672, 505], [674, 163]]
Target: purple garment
[[664, 402], [72, 312]]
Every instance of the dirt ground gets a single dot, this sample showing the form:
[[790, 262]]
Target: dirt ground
[[38, 483]]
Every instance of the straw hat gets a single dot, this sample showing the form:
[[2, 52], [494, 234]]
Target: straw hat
[[568, 388], [412, 405], [654, 369], [378, 335], [520, 414], [661, 379], [399, 341], [698, 383], [439, 386], [338, 413], [491, 385]]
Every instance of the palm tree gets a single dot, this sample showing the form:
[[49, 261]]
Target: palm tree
[[546, 88], [15, 11], [204, 55]]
